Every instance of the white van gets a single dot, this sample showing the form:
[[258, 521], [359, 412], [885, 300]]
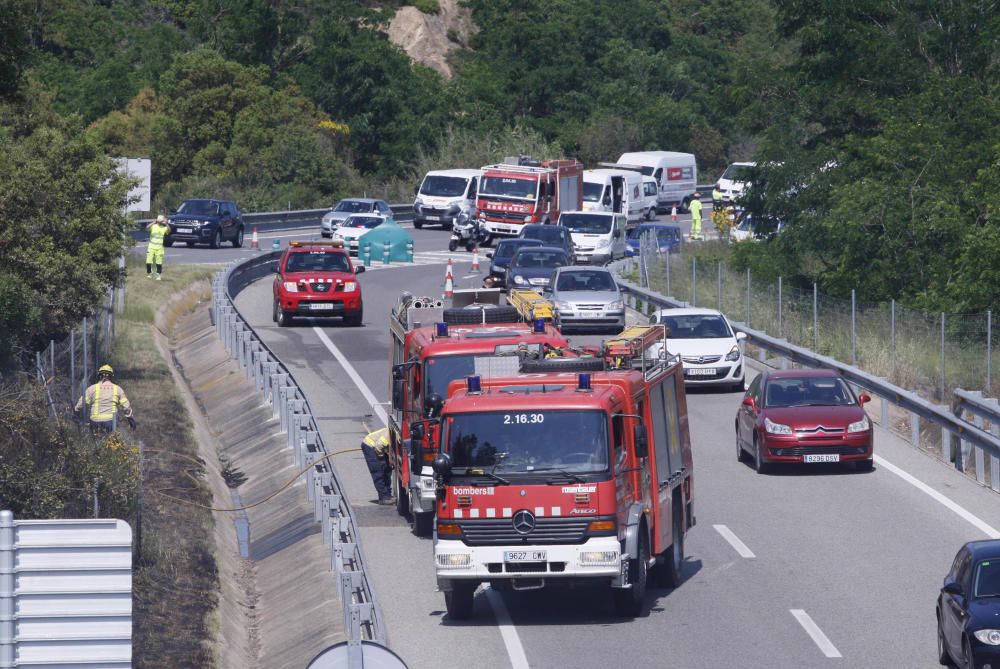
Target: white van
[[443, 194], [675, 172], [650, 192], [598, 236], [733, 181], [615, 190]]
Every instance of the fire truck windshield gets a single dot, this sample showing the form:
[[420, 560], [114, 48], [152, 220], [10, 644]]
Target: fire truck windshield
[[527, 441], [443, 369], [508, 187]]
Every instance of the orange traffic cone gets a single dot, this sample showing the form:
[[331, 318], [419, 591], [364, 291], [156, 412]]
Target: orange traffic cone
[[673, 213], [449, 284], [254, 243], [475, 259]]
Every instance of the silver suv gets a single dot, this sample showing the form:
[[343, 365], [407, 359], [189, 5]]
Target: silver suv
[[586, 297]]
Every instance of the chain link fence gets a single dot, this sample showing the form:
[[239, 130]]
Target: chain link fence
[[931, 353]]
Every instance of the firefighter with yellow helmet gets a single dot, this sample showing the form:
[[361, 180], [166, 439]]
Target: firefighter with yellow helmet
[[103, 401]]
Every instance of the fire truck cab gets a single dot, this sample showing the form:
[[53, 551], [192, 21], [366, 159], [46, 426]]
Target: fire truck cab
[[431, 346], [522, 190], [573, 469]]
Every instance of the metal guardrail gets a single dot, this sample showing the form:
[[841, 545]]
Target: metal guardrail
[[953, 428], [983, 410], [363, 619]]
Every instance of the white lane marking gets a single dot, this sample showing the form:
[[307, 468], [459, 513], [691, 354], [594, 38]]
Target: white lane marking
[[515, 651], [734, 541], [353, 373], [511, 640], [959, 510], [813, 630]]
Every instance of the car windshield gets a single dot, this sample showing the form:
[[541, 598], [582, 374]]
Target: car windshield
[[363, 222], [317, 261], [545, 233], [522, 189], [738, 173], [807, 391], [199, 208], [507, 248], [987, 583], [592, 191], [442, 186], [585, 280], [529, 441], [593, 224], [354, 206], [533, 258], [696, 326]]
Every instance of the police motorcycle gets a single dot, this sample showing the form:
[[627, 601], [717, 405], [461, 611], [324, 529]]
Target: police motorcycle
[[467, 231]]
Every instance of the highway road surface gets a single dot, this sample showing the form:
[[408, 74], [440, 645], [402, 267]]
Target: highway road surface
[[812, 566]]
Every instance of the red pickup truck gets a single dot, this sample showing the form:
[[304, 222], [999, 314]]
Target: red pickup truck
[[317, 279]]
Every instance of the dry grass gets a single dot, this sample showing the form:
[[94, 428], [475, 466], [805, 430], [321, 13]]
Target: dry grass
[[176, 580]]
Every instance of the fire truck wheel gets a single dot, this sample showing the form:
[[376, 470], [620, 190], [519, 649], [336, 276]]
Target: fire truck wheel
[[423, 523], [668, 572], [629, 601], [459, 600], [759, 465], [563, 365], [402, 499]]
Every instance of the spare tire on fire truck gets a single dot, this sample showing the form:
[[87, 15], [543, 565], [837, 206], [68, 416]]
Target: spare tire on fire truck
[[475, 314], [563, 365]]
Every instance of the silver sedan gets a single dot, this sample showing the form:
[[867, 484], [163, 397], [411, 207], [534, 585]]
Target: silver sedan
[[586, 297]]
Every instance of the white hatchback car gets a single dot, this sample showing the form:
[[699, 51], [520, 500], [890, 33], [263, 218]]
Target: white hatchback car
[[707, 344], [355, 227]]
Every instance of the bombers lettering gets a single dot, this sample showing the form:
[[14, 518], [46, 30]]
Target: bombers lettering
[[583, 488], [474, 491]]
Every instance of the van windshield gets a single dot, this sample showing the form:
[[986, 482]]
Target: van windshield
[[592, 192], [441, 186], [649, 188], [529, 441], [508, 187], [593, 224], [737, 173]]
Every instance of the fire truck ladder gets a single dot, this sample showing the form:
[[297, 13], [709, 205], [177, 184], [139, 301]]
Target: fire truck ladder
[[631, 346], [530, 304]]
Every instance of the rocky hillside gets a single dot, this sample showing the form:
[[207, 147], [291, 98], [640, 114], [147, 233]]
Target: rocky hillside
[[430, 39]]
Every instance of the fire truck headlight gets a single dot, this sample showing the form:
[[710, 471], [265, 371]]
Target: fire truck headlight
[[599, 558], [427, 482], [454, 560]]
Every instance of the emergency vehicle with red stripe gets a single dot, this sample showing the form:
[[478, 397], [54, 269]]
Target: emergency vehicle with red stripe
[[572, 469], [522, 190]]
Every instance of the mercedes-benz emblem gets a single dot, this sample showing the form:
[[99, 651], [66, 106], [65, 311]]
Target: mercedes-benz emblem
[[523, 521]]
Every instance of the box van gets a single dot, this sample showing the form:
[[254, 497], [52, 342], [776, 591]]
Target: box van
[[598, 236], [615, 190], [733, 181], [675, 172], [650, 190], [443, 194]]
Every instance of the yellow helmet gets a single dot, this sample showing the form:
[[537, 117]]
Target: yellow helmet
[[106, 369], [161, 219]]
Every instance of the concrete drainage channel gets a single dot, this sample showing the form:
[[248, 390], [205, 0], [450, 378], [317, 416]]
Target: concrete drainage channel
[[362, 616]]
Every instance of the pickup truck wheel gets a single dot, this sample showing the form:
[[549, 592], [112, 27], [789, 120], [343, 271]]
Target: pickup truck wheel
[[284, 319], [238, 239], [459, 600], [629, 601], [216, 239], [668, 572], [274, 312], [354, 320], [423, 523]]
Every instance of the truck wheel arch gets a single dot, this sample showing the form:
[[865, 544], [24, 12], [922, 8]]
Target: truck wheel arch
[[633, 526]]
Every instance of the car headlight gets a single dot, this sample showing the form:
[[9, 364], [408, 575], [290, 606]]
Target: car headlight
[[602, 243], [350, 286], [989, 637], [519, 280], [776, 428], [862, 425], [734, 354], [291, 286], [563, 306], [454, 208], [617, 305]]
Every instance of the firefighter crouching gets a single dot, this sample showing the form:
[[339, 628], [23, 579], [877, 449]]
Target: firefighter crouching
[[103, 401]]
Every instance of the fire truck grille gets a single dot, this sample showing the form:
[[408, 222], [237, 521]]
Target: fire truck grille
[[500, 531]]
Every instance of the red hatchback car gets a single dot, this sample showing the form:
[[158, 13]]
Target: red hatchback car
[[317, 279], [803, 415]]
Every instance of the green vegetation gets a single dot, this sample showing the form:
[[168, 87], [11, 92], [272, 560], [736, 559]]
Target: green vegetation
[[427, 6]]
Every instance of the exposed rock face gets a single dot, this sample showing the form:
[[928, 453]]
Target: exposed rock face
[[425, 37]]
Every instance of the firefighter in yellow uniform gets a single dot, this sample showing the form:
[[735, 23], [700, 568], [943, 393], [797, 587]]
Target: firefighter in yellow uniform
[[104, 400], [158, 229], [695, 208], [375, 448]]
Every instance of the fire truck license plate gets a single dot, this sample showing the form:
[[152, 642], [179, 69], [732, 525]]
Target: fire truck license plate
[[825, 457], [524, 556]]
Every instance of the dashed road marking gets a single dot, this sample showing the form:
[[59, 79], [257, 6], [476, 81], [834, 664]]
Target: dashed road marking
[[813, 630], [734, 541]]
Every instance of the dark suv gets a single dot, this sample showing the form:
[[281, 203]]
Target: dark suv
[[206, 222]]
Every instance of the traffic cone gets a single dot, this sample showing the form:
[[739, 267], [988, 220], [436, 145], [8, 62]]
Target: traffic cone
[[673, 213], [254, 244], [475, 259], [449, 284]]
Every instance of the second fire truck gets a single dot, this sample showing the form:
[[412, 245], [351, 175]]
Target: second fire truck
[[522, 190]]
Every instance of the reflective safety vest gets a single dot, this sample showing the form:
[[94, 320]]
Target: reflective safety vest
[[379, 440], [157, 232], [104, 399], [695, 209], [716, 196]]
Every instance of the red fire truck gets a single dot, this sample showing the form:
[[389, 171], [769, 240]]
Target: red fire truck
[[431, 346], [574, 469], [522, 190]]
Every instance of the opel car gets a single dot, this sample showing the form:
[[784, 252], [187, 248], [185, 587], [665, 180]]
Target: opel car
[[317, 279], [354, 228], [707, 344]]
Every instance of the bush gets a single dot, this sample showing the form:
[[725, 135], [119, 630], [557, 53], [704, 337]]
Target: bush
[[427, 6]]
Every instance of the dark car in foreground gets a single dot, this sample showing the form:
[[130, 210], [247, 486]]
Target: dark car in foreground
[[533, 266], [551, 235], [968, 608], [504, 252], [205, 222], [803, 415]]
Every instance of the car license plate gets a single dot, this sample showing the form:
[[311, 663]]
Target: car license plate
[[825, 457], [184, 230], [524, 556], [699, 371], [433, 218], [320, 306]]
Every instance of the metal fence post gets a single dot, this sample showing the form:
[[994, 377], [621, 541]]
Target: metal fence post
[[815, 319], [854, 331], [6, 589], [668, 272], [892, 336], [694, 281], [748, 297], [720, 285], [72, 366], [942, 356], [989, 350], [85, 357], [780, 335]]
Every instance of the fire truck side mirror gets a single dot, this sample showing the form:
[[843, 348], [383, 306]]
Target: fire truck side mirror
[[442, 464], [398, 372], [417, 432], [433, 405], [397, 393], [641, 441]]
